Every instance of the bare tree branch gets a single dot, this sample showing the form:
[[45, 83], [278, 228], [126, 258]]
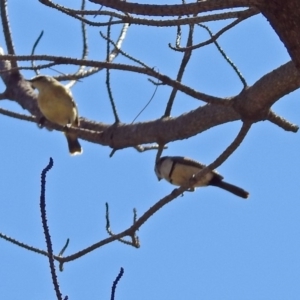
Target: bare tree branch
[[182, 21], [225, 154], [114, 286], [173, 10], [281, 122], [7, 31], [248, 13], [46, 229]]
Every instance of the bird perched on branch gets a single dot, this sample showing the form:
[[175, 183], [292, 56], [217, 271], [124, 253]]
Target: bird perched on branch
[[179, 170], [56, 103]]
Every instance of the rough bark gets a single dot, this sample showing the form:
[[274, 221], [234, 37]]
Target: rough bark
[[284, 17]]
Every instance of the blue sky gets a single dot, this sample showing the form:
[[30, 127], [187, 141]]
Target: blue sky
[[205, 245]]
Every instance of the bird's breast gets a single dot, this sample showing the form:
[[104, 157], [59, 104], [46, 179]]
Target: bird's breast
[[57, 109], [182, 174]]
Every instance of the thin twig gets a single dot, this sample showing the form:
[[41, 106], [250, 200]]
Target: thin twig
[[33, 50], [178, 36], [151, 72], [225, 154], [186, 57], [215, 36], [18, 116], [156, 87], [61, 252], [109, 231], [128, 232], [159, 152], [123, 52], [113, 288], [118, 44], [84, 54], [22, 245], [234, 67], [46, 229], [111, 99]]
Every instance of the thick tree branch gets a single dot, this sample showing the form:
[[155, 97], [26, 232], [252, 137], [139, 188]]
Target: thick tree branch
[[283, 16], [253, 103]]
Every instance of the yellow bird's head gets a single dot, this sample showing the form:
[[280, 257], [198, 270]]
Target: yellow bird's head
[[41, 81]]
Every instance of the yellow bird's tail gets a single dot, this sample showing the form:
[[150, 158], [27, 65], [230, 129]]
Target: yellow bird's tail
[[73, 144]]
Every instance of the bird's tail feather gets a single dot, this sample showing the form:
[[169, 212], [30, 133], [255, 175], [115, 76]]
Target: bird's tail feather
[[73, 144], [231, 188]]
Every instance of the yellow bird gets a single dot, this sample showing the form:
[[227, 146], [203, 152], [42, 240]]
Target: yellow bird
[[56, 103]]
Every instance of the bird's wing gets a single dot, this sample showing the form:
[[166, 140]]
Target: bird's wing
[[193, 163]]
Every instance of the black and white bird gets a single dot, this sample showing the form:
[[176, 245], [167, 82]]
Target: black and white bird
[[178, 170]]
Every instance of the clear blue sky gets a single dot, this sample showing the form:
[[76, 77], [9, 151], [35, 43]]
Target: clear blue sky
[[205, 245]]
